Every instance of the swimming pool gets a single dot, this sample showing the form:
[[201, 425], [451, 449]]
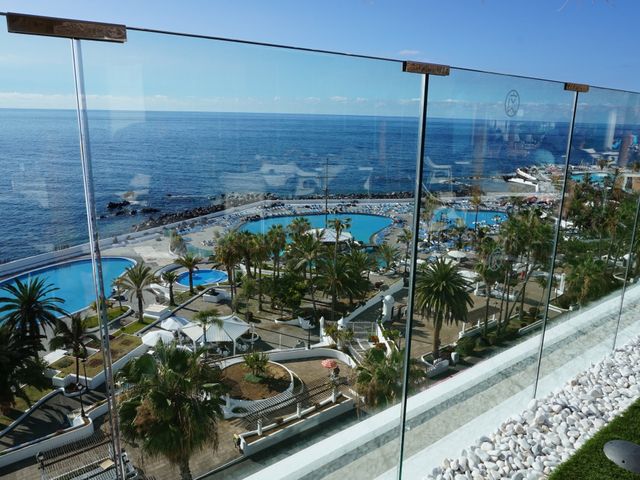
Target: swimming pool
[[363, 226], [485, 217], [596, 178], [74, 280], [202, 277]]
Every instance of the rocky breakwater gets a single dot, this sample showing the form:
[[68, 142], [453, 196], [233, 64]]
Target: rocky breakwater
[[529, 445]]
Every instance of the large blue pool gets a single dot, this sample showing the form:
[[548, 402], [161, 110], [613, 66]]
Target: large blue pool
[[74, 280], [596, 178], [202, 277], [485, 217], [363, 226]]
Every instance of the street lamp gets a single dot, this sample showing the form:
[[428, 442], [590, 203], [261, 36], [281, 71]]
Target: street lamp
[[84, 368]]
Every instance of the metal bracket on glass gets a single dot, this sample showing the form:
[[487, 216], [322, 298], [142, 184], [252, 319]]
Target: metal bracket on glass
[[66, 28], [426, 68], [576, 87]]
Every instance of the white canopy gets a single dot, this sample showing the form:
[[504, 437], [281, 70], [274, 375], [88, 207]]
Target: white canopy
[[174, 323], [328, 235], [468, 274], [232, 327], [152, 338], [457, 254]]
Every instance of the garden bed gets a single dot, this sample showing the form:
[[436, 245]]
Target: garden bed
[[112, 313], [120, 346], [276, 380]]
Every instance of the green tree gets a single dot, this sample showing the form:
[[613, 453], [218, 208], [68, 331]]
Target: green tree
[[379, 378], [588, 280], [305, 251], [256, 363], [227, 254], [170, 278], [261, 255], [73, 338], [190, 262], [298, 227], [335, 280], [29, 308], [137, 280], [441, 294], [388, 254], [206, 318], [118, 289], [171, 404], [277, 241], [19, 368]]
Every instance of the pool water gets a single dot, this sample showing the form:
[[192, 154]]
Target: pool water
[[202, 277], [596, 178], [74, 280], [363, 226], [485, 217]]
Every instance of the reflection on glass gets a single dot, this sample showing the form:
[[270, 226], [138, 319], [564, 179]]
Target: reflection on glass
[[272, 189], [493, 161]]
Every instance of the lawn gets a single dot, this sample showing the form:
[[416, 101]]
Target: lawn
[[120, 346], [133, 327], [590, 462], [34, 395], [112, 313]]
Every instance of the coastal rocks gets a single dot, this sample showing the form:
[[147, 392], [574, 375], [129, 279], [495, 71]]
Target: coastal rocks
[[118, 205], [529, 445]]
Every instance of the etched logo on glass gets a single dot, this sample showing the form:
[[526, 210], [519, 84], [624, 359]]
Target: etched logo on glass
[[512, 103]]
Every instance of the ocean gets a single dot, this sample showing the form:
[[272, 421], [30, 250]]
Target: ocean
[[172, 161]]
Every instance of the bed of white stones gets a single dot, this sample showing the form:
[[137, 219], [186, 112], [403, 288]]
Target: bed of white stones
[[529, 445]]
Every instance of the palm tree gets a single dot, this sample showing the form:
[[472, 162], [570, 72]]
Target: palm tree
[[387, 254], [119, 290], [170, 278], [227, 254], [206, 318], [19, 368], [298, 227], [587, 280], [137, 280], [261, 255], [171, 406], [405, 237], [277, 240], [29, 307], [336, 280], [190, 262], [379, 378], [441, 293], [476, 201], [73, 338], [305, 250]]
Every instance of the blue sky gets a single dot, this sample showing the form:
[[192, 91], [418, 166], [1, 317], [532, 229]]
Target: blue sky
[[588, 41]]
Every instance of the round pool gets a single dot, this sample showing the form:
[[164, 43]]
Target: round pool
[[485, 217], [363, 226], [74, 280], [202, 277]]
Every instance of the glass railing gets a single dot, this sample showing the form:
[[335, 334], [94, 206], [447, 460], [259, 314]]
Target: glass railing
[[256, 208]]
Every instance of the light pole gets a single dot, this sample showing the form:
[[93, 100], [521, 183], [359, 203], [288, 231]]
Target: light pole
[[84, 368]]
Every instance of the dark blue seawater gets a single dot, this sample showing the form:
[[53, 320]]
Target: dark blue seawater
[[173, 161]]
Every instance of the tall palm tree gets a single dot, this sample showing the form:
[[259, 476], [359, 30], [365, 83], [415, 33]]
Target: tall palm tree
[[226, 253], [379, 378], [405, 237], [137, 280], [29, 307], [298, 227], [19, 368], [170, 278], [261, 255], [336, 280], [72, 337], [119, 290], [388, 254], [305, 250], [190, 262], [171, 406], [277, 240], [441, 294], [208, 317], [476, 201]]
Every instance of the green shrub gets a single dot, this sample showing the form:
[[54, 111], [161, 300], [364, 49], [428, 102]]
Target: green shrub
[[466, 346]]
